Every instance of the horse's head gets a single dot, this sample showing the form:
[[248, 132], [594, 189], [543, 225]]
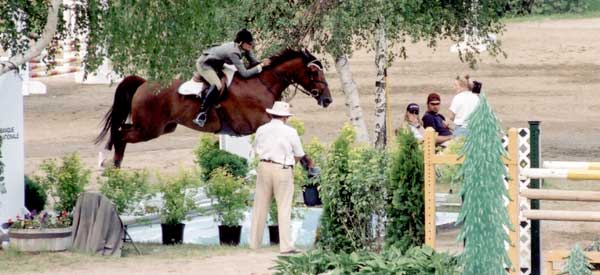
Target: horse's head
[[312, 79], [301, 68]]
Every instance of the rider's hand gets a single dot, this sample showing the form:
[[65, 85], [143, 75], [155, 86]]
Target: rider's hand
[[265, 62]]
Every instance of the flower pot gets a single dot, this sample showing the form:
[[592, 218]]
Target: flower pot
[[230, 235], [311, 196], [172, 233], [274, 234], [47, 239]]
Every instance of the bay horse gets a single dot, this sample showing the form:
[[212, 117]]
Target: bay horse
[[240, 111]]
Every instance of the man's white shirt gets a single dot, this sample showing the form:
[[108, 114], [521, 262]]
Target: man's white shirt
[[277, 142], [463, 104]]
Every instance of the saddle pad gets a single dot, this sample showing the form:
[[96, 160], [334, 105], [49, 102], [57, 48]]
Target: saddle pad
[[193, 88]]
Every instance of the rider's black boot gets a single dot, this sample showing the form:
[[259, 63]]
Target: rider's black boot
[[209, 97]]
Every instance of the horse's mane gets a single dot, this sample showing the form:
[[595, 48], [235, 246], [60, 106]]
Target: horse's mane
[[289, 54]]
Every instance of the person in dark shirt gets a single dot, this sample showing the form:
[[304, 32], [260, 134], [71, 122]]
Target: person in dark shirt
[[434, 119]]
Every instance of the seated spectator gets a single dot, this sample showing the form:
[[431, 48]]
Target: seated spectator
[[434, 119], [412, 121], [463, 104]]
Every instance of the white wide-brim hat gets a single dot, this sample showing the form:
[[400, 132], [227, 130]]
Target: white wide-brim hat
[[280, 108]]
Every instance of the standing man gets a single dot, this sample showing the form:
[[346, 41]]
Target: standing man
[[433, 118], [278, 147]]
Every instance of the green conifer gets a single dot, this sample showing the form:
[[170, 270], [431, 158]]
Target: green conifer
[[577, 264]]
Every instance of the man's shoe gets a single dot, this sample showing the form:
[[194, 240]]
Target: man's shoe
[[293, 251], [200, 120]]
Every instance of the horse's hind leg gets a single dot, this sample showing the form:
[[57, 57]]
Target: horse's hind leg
[[132, 134]]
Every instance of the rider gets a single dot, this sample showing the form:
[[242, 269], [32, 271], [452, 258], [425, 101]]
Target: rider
[[212, 60]]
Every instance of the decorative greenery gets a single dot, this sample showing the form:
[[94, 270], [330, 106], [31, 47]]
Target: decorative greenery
[[125, 189], [406, 207], [417, 260], [42, 220], [209, 157], [35, 195], [577, 263], [483, 215], [353, 193], [178, 196], [317, 152], [64, 182], [229, 196]]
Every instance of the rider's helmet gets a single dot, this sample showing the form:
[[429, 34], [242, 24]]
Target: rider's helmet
[[244, 36]]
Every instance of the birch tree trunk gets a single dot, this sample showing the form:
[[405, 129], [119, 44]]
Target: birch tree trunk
[[51, 24], [380, 104], [350, 90]]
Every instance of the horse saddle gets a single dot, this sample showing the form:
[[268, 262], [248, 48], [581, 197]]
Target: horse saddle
[[194, 87]]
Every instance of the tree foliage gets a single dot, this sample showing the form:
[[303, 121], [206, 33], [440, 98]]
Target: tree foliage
[[406, 208], [125, 189], [483, 214]]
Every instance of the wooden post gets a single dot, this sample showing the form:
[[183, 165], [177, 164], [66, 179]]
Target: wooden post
[[429, 154], [513, 204]]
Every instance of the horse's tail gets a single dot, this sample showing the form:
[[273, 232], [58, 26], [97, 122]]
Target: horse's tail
[[118, 113]]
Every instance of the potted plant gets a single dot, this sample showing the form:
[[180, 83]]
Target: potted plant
[[310, 188], [125, 189], [229, 196], [178, 199], [40, 232], [63, 183]]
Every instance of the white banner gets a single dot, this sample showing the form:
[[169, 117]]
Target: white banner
[[12, 202]]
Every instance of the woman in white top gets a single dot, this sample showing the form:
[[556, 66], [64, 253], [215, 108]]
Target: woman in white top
[[413, 122], [463, 104]]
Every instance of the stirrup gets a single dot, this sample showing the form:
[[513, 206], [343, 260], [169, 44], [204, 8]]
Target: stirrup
[[200, 120]]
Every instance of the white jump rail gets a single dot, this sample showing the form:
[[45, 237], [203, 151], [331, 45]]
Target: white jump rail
[[577, 165], [571, 174]]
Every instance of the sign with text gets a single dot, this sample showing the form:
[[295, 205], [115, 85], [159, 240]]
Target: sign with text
[[12, 202]]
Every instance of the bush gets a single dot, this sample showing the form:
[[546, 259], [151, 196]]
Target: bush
[[406, 206], [125, 189], [178, 197], [209, 157], [559, 6], [229, 196], [35, 195], [64, 182], [353, 192], [417, 260]]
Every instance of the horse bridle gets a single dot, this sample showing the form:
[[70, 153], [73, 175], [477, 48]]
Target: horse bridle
[[313, 93]]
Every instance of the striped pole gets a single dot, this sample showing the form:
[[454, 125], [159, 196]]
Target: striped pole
[[576, 165], [542, 173]]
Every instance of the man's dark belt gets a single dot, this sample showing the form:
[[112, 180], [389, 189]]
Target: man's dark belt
[[284, 165]]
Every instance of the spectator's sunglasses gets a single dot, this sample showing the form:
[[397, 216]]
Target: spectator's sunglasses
[[434, 103], [414, 112]]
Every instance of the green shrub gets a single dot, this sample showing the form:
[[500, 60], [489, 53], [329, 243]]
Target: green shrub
[[229, 196], [35, 195], [559, 6], [178, 197], [406, 207], [64, 181], [353, 193], [125, 189], [209, 157], [417, 261]]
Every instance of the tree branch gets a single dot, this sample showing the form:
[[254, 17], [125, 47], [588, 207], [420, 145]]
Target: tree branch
[[49, 31]]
